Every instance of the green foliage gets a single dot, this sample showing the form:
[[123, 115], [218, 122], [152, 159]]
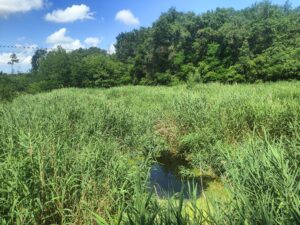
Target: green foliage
[[264, 191], [82, 156], [256, 43], [7, 88], [12, 85], [36, 58], [81, 68], [103, 71], [55, 69]]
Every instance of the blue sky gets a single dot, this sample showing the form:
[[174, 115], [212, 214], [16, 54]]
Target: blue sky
[[79, 23]]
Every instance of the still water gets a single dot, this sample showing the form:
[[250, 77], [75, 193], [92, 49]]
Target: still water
[[165, 178]]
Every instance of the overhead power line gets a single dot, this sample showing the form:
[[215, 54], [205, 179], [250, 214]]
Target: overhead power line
[[19, 46], [2, 46]]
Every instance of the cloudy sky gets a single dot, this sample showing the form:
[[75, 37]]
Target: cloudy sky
[[81, 24]]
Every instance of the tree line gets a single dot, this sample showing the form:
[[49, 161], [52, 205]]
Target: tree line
[[256, 44]]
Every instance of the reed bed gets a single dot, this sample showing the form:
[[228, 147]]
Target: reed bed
[[82, 156]]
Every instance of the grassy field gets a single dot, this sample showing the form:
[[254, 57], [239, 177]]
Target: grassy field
[[82, 156]]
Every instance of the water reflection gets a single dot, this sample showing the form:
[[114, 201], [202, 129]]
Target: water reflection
[[164, 177]]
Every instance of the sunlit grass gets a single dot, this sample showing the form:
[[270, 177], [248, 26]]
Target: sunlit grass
[[71, 155]]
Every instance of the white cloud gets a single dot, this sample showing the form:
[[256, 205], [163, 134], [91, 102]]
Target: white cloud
[[4, 59], [70, 14], [111, 50], [92, 41], [8, 7], [59, 38], [126, 16], [23, 54]]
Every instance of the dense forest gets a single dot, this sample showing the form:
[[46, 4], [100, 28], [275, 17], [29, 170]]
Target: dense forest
[[257, 44]]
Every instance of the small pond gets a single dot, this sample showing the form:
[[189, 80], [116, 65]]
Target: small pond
[[165, 177]]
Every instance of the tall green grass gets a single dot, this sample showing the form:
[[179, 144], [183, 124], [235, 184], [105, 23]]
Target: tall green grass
[[82, 156], [263, 179]]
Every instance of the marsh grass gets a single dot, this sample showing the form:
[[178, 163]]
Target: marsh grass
[[78, 156]]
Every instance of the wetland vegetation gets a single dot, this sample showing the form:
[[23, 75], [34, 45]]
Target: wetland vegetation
[[193, 120], [83, 156]]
